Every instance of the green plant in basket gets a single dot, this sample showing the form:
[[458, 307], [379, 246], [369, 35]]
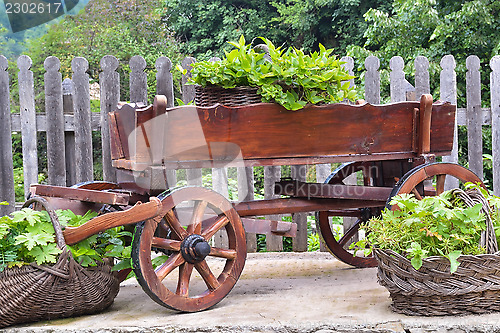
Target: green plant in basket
[[434, 226], [288, 77], [27, 236]]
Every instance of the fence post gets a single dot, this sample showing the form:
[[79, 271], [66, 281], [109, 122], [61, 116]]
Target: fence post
[[138, 80], [372, 80], [246, 193], [398, 84], [495, 121], [84, 169], [69, 136], [448, 93], [56, 159], [474, 116], [164, 86], [422, 85], [28, 122], [7, 192], [322, 174], [109, 81], [299, 243], [271, 175], [193, 176]]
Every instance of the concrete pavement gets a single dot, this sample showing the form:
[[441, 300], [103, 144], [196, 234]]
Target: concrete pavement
[[277, 292]]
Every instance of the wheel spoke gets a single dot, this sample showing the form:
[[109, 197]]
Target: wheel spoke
[[417, 195], [185, 271], [168, 266], [349, 233], [207, 275], [175, 225], [222, 253], [440, 179], [195, 225], [216, 226], [167, 244]]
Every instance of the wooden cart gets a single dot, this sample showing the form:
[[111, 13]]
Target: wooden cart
[[390, 147]]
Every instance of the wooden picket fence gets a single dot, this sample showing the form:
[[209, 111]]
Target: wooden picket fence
[[69, 122]]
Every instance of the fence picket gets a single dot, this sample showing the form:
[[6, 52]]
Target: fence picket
[[271, 175], [7, 192], [69, 136], [398, 91], [28, 122], [372, 80], [164, 86], [299, 243], [84, 169], [474, 115], [422, 83], [109, 81], [138, 80], [55, 122], [495, 121]]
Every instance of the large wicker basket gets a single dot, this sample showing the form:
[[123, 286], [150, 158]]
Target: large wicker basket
[[32, 293], [432, 290], [208, 96]]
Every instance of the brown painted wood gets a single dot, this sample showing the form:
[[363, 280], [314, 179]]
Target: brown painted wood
[[412, 182], [335, 191], [139, 212], [80, 194], [320, 133], [146, 241], [299, 205], [372, 173], [424, 129]]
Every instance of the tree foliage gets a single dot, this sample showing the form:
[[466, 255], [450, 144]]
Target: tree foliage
[[203, 26], [432, 28], [122, 28]]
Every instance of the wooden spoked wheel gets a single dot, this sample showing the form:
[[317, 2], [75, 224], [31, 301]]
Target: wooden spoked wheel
[[430, 179], [205, 273], [340, 248]]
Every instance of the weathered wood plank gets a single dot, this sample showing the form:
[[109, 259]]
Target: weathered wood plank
[[28, 122], [70, 193], [138, 80], [271, 175], [398, 91], [299, 243], [84, 166], [69, 136], [164, 86], [422, 83], [188, 93], [69, 122], [246, 193], [322, 173], [495, 121], [6, 168], [109, 81], [56, 159], [220, 185], [372, 80], [474, 127]]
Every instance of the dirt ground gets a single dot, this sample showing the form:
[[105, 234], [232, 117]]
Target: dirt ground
[[277, 292]]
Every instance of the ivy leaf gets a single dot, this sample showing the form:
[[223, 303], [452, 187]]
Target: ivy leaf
[[26, 214], [31, 240], [45, 254]]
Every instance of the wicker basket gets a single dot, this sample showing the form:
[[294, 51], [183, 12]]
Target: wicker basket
[[32, 293], [208, 96], [433, 290]]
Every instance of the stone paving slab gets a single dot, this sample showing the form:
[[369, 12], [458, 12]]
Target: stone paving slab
[[277, 292]]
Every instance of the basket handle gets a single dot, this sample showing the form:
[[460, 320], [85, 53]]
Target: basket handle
[[471, 198], [61, 243]]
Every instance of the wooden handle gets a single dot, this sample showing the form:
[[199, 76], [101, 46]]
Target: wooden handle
[[139, 212], [424, 137]]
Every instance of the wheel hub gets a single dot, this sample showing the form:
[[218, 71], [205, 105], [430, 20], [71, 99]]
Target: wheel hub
[[194, 249]]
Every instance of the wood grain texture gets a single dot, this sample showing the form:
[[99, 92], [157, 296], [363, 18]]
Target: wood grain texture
[[474, 115], [55, 122], [495, 120], [6, 166]]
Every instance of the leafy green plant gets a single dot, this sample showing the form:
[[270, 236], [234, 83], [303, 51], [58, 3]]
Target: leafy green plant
[[28, 236], [434, 226], [288, 77]]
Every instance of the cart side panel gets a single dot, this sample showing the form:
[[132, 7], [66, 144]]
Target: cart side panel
[[442, 127]]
